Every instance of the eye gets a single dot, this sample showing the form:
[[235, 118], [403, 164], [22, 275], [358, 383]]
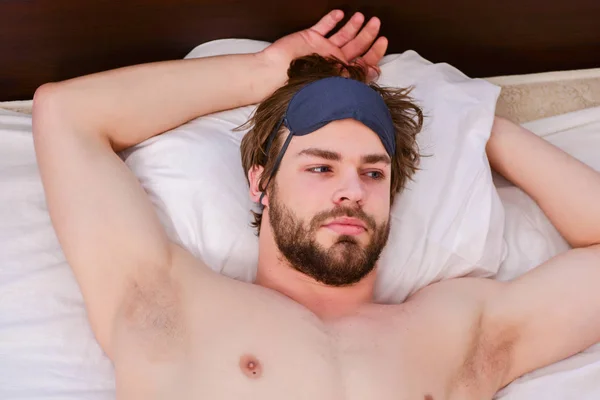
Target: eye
[[320, 169], [375, 175]]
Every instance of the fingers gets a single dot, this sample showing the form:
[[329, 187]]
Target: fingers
[[363, 41], [350, 41], [376, 52], [328, 22], [348, 31]]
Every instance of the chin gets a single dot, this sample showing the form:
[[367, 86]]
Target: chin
[[344, 243], [330, 239]]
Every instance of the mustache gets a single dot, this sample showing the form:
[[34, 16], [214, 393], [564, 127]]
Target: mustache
[[338, 212]]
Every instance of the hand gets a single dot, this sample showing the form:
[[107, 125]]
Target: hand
[[348, 44]]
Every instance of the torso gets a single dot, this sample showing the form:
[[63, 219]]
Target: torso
[[234, 340]]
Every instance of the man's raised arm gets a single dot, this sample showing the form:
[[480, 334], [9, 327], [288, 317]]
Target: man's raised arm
[[567, 190], [131, 104], [105, 223], [551, 312]]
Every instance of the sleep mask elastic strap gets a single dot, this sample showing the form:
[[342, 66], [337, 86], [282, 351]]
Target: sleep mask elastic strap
[[277, 161]]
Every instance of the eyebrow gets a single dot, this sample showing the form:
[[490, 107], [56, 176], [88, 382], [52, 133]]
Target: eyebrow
[[326, 154], [376, 158], [333, 156]]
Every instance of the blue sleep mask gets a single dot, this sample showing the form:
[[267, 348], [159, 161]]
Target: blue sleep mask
[[331, 99]]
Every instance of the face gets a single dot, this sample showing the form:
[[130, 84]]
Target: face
[[329, 206]]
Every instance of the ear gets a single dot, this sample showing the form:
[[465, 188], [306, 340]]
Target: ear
[[254, 174]]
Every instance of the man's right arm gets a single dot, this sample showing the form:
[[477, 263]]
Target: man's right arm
[[105, 223], [131, 104]]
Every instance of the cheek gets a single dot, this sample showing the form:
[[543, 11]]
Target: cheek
[[379, 204], [307, 203], [305, 200]]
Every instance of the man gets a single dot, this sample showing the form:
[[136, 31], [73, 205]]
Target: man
[[174, 329]]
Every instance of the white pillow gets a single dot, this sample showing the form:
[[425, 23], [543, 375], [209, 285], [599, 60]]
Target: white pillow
[[448, 223]]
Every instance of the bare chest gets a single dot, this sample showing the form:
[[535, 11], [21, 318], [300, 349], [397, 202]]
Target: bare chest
[[260, 347]]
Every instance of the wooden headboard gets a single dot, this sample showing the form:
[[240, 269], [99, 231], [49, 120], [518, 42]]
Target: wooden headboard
[[52, 40]]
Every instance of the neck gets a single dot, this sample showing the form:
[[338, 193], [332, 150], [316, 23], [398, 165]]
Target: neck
[[327, 302]]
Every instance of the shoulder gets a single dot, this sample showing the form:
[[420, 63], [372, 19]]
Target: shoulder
[[463, 299], [459, 289]]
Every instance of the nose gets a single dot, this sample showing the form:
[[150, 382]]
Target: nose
[[350, 190]]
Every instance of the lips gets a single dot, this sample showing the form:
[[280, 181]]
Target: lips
[[347, 226]]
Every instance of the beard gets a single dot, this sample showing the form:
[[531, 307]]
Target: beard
[[346, 262]]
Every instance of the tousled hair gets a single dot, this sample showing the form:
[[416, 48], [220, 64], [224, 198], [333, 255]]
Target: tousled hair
[[406, 116]]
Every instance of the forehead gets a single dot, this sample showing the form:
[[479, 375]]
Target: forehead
[[347, 136]]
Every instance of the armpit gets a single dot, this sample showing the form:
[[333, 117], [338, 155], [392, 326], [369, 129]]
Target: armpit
[[488, 359], [152, 307]]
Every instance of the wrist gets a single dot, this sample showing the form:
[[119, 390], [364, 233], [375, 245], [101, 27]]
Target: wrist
[[275, 66]]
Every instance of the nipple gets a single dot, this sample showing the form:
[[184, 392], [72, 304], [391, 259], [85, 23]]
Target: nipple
[[250, 366]]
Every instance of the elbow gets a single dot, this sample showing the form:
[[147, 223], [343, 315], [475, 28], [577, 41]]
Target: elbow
[[44, 95], [47, 107]]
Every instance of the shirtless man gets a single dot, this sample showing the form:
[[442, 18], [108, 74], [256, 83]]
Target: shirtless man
[[175, 329]]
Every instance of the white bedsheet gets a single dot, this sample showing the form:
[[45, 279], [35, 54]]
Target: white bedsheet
[[48, 352], [47, 349]]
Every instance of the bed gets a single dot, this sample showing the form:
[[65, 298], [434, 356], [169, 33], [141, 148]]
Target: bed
[[545, 57]]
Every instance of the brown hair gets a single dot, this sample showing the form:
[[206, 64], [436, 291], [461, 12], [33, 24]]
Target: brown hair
[[406, 116]]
